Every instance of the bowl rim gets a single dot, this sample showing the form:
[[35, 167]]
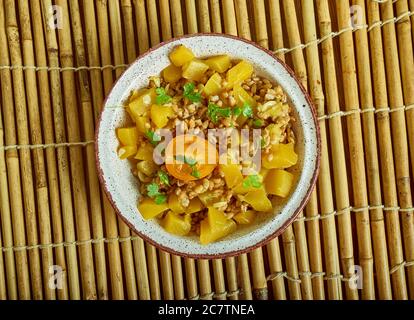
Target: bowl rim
[[263, 241]]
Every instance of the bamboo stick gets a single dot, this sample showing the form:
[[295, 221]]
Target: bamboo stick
[[128, 22], [204, 279], [219, 284], [165, 21], [231, 276], [166, 276], [215, 16], [312, 206], [3, 291], [142, 28], [324, 182], [5, 216], [76, 158], [118, 58], [242, 19], [244, 277], [275, 267], [400, 146], [373, 172], [178, 279], [111, 229], [138, 244], [87, 116], [359, 184], [60, 134], [176, 18], [38, 155], [204, 16], [412, 18], [153, 21], [337, 149], [52, 172], [229, 17], [153, 272], [405, 50], [191, 278], [23, 138], [386, 154], [191, 14]]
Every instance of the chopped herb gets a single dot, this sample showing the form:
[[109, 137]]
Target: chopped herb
[[153, 137], [258, 123], [164, 178], [192, 163], [254, 181], [237, 111], [154, 192], [195, 173], [214, 112], [190, 94], [262, 142], [246, 111], [162, 96]]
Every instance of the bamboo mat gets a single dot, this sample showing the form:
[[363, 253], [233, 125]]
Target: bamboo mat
[[55, 220]]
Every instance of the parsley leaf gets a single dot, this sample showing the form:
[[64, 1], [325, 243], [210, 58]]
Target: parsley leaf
[[254, 181], [214, 112], [247, 111], [258, 123], [160, 199], [162, 96], [195, 173], [190, 94], [164, 178], [153, 137], [237, 111], [192, 163], [154, 192], [262, 142]]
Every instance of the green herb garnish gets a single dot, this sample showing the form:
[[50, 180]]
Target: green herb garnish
[[153, 137], [164, 178], [154, 192], [162, 96], [192, 163], [258, 123], [214, 112], [190, 94], [254, 181], [246, 111], [262, 142]]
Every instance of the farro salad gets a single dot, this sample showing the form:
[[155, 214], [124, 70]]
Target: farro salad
[[210, 143]]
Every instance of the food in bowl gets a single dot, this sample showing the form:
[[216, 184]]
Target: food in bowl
[[189, 127]]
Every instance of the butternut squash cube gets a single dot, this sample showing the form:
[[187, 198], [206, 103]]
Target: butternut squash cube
[[172, 73], [219, 63], [242, 97], [232, 174], [282, 156], [127, 136], [240, 72], [194, 70], [174, 204], [141, 122], [147, 167], [213, 85], [181, 55], [140, 105], [175, 224], [258, 200], [194, 206], [126, 152], [145, 152], [246, 217], [160, 115], [215, 226], [149, 209], [279, 182]]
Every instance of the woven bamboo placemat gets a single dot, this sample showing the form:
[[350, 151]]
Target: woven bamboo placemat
[[356, 60]]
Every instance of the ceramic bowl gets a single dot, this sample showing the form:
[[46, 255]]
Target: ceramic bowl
[[122, 187]]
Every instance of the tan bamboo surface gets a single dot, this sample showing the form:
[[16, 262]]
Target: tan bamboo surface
[[355, 57]]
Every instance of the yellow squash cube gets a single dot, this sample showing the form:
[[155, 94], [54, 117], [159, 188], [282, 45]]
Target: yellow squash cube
[[218, 63], [149, 209], [242, 96], [172, 73], [194, 206], [174, 204], [215, 226], [240, 72], [240, 189], [126, 152], [145, 152], [232, 174], [194, 70], [208, 198], [160, 115], [141, 122], [181, 55], [140, 105], [246, 217], [127, 136], [258, 200], [213, 85], [147, 167], [282, 156], [175, 224], [279, 182]]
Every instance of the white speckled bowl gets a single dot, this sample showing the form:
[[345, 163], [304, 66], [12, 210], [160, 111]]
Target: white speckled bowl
[[121, 186]]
